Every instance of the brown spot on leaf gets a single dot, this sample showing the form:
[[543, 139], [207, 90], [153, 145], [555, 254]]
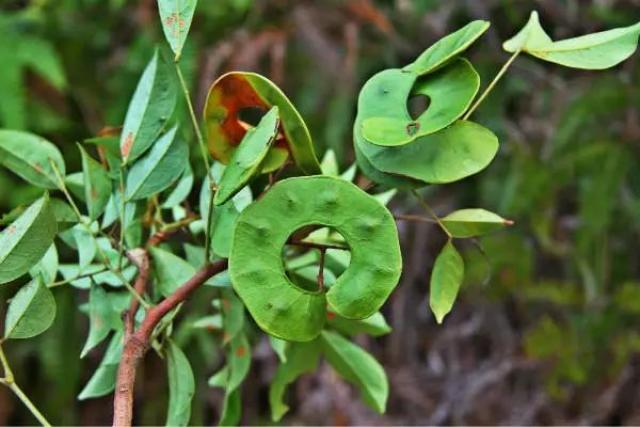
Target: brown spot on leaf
[[126, 147], [38, 167], [331, 315], [241, 351]]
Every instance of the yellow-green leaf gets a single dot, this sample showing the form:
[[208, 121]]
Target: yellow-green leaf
[[446, 278]]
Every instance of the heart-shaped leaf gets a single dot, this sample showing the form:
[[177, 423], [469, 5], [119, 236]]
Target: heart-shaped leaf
[[30, 312], [176, 16], [446, 278], [30, 157], [97, 188], [181, 386], [359, 368], [159, 168], [473, 222], [595, 51], [26, 240], [447, 48], [246, 159], [233, 94], [149, 110]]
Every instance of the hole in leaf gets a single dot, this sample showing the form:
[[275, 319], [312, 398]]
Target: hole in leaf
[[302, 259], [251, 115], [417, 105]]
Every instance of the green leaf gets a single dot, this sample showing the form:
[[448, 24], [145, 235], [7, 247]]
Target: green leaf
[[454, 153], [233, 313], [182, 189], [30, 157], [231, 409], [375, 325], [26, 240], [103, 380], [102, 318], [297, 314], [64, 214], [246, 159], [301, 358], [159, 168], [450, 92], [171, 271], [97, 188], [595, 51], [473, 222], [359, 368], [149, 110], [446, 278], [176, 16], [447, 48], [30, 312], [75, 184], [279, 347], [181, 386], [47, 267], [222, 227], [329, 164], [85, 244]]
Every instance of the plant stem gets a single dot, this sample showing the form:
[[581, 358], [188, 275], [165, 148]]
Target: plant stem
[[491, 85], [430, 211], [313, 245], [413, 218], [194, 121], [10, 382], [87, 227]]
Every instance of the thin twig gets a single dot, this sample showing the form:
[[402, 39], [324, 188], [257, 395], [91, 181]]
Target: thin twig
[[430, 211], [413, 218], [313, 245]]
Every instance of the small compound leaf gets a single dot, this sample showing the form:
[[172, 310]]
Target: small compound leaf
[[595, 51], [29, 156], [26, 240], [301, 358], [246, 159], [358, 367], [97, 188], [375, 325], [103, 380], [159, 168], [149, 110], [447, 48], [47, 268], [473, 222], [181, 386], [181, 190], [30, 312], [176, 16], [171, 270], [102, 318], [446, 278]]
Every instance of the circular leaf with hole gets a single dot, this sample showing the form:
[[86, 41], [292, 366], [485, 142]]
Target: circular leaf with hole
[[279, 306]]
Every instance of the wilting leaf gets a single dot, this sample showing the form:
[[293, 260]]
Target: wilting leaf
[[236, 92], [171, 270], [30, 312], [149, 110], [103, 380], [26, 240], [30, 157], [446, 278], [358, 367], [595, 51], [292, 313], [181, 386], [97, 188], [176, 16], [473, 222], [159, 168], [246, 159], [447, 48], [301, 358]]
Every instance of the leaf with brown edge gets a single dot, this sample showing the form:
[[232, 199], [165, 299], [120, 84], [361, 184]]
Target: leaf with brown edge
[[235, 93]]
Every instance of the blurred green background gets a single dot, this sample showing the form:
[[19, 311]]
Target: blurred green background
[[547, 328]]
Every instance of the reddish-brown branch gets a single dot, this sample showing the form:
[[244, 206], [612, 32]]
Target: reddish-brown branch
[[137, 344], [141, 259]]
